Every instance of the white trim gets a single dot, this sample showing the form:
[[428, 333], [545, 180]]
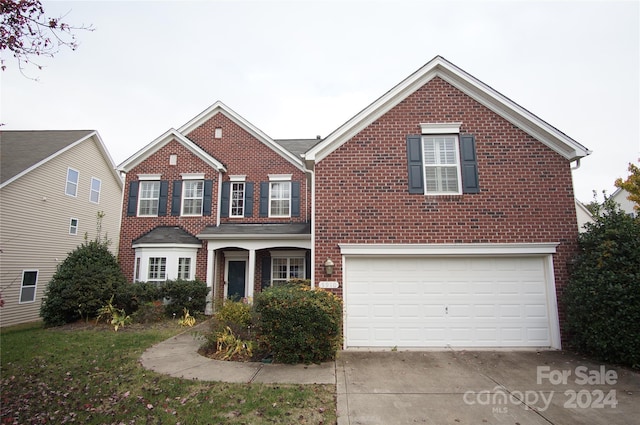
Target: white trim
[[271, 198], [149, 176], [535, 248], [289, 254], [458, 164], [192, 176], [441, 128], [184, 198], [166, 246], [91, 191], [552, 304], [237, 178], [35, 287], [67, 181], [280, 177], [77, 226]]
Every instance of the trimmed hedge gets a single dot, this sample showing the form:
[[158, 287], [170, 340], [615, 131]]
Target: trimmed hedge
[[181, 294], [300, 325], [603, 297]]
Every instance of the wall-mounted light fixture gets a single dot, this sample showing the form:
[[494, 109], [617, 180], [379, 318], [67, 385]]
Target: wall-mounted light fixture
[[328, 267]]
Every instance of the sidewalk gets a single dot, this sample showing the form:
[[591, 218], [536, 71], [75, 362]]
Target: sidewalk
[[178, 357]]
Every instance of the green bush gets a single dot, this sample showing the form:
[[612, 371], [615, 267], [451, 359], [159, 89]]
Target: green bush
[[83, 283], [299, 325], [181, 294], [149, 312], [603, 297], [132, 296], [232, 318]]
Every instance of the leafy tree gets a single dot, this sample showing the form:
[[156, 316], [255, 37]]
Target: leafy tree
[[632, 185], [28, 33], [603, 296]]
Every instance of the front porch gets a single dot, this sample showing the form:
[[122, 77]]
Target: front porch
[[243, 259]]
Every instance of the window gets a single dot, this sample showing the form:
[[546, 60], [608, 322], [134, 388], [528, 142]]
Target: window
[[149, 198], [28, 288], [73, 226], [157, 268], [441, 164], [184, 268], [237, 199], [279, 199], [136, 273], [71, 187], [285, 268], [94, 196], [192, 199]]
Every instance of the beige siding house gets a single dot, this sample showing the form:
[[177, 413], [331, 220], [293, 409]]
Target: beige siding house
[[621, 197], [53, 185]]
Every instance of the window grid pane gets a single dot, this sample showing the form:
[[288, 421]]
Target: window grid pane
[[149, 197], [157, 268], [280, 194], [441, 164], [73, 226], [284, 269], [184, 268], [28, 289], [192, 198], [71, 187], [237, 199]]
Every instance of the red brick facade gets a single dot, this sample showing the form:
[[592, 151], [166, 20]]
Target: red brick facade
[[526, 188]]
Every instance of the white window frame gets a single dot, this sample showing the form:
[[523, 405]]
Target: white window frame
[[159, 275], [195, 199], [70, 183], [23, 287], [143, 183], [73, 228], [438, 166], [278, 179], [287, 256], [171, 252], [237, 199], [182, 264], [93, 191]]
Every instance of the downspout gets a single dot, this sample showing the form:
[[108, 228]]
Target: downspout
[[577, 164], [313, 215], [219, 198]]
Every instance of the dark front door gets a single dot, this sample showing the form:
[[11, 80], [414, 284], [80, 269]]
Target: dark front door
[[236, 278]]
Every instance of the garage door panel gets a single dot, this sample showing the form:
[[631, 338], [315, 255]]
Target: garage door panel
[[421, 302]]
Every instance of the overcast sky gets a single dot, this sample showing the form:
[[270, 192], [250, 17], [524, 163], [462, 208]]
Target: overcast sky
[[299, 69]]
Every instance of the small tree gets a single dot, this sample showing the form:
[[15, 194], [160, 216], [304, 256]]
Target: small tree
[[603, 297], [83, 283]]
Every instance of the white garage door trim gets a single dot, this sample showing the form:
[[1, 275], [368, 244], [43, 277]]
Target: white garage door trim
[[543, 251]]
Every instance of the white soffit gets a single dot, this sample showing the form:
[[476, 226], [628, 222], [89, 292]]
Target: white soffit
[[450, 249]]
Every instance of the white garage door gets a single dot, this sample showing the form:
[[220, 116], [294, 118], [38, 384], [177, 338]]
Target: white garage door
[[447, 301]]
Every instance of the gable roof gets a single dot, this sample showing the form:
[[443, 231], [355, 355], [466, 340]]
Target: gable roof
[[221, 108], [158, 143], [474, 88], [26, 150]]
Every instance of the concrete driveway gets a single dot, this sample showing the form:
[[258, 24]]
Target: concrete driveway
[[483, 387]]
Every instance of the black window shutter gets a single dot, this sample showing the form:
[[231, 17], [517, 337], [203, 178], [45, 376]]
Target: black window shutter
[[224, 201], [415, 166], [176, 197], [295, 199], [248, 199], [266, 272], [264, 199], [162, 200], [469, 164], [132, 203], [207, 198], [307, 265]]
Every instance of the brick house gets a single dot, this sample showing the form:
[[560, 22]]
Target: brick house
[[446, 209]]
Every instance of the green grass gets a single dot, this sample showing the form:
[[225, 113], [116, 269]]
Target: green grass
[[93, 376]]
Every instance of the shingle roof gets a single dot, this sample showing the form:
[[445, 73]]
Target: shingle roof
[[297, 146], [167, 235], [21, 150]]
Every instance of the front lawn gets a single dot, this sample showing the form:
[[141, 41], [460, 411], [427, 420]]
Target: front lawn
[[93, 376]]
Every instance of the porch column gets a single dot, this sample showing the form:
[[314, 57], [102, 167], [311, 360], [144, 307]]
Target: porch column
[[252, 274], [211, 296]]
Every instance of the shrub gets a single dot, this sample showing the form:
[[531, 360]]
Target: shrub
[[132, 296], [300, 325], [149, 312], [603, 297], [233, 325], [181, 294], [83, 283]]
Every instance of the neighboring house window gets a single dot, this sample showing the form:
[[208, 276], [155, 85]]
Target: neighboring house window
[[285, 268], [149, 198], [29, 285], [71, 187], [279, 199], [73, 226], [157, 268], [136, 273], [237, 199], [441, 164], [192, 199], [94, 196], [184, 268]]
